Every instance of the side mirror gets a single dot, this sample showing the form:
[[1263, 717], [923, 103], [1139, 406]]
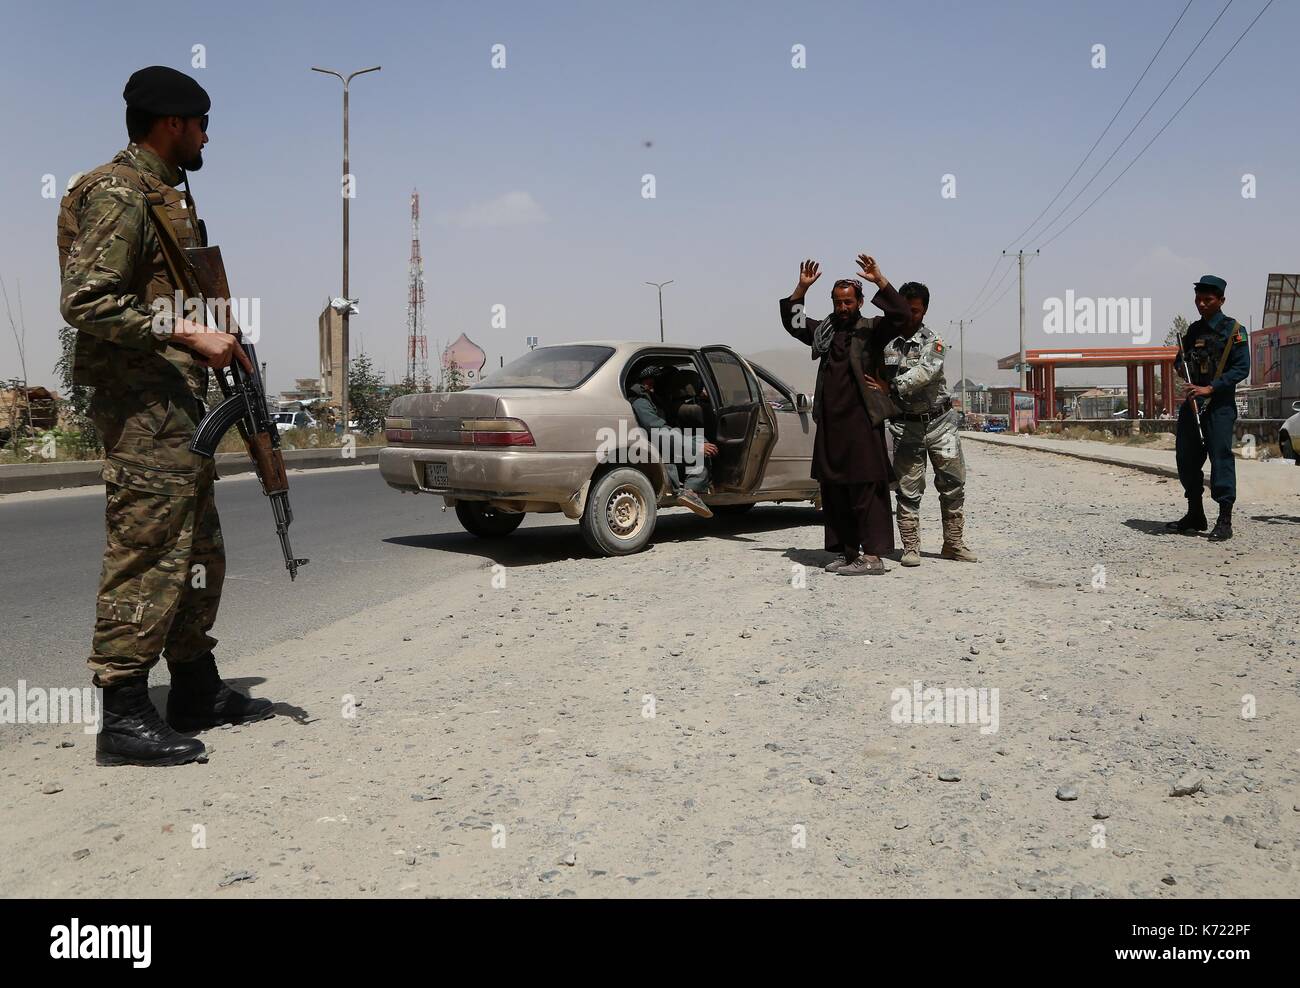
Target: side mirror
[[1295, 406], [802, 404]]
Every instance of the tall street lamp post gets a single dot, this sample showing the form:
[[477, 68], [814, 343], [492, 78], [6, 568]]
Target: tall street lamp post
[[346, 191], [660, 285]]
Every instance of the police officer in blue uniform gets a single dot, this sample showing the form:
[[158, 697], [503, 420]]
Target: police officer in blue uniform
[[1214, 356]]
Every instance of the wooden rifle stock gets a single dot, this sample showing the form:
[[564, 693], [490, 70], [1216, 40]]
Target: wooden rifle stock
[[269, 462], [260, 434]]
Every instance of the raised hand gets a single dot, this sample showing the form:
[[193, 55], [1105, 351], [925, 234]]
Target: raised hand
[[871, 271], [809, 271]]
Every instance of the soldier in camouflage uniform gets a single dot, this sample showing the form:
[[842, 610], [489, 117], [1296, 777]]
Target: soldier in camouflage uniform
[[163, 567], [926, 428]]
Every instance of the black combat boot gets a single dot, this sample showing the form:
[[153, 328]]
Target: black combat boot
[[1193, 521], [1222, 530], [200, 700], [132, 733]]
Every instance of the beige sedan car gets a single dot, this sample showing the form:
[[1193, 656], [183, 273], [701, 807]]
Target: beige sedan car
[[554, 431]]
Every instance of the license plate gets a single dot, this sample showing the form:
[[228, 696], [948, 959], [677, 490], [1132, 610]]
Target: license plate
[[435, 475]]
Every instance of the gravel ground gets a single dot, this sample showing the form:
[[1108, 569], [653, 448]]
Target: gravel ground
[[718, 717]]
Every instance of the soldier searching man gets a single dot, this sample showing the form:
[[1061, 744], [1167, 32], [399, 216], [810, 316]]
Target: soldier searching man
[[850, 457], [927, 426], [164, 563], [1214, 356]]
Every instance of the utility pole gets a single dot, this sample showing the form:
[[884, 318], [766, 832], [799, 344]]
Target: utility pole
[[345, 191], [660, 285], [961, 351], [1020, 256]]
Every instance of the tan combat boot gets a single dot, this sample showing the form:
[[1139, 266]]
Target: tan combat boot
[[909, 530], [953, 546]]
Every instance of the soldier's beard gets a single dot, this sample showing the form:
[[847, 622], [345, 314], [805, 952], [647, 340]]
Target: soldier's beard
[[194, 164]]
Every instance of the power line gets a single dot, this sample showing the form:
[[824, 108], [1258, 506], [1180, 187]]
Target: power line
[[991, 304], [1111, 157], [1106, 130], [1165, 127], [1005, 279], [988, 308], [1003, 256], [980, 293]]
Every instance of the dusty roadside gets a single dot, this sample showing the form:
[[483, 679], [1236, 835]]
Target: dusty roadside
[[501, 743]]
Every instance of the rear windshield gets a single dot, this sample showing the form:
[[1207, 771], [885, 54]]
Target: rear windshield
[[548, 367]]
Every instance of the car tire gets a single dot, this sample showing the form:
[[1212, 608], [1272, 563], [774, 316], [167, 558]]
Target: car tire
[[731, 510], [485, 521], [620, 513], [1288, 450]]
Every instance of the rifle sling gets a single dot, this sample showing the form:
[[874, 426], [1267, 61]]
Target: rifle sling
[[1227, 349], [1223, 357], [178, 266]]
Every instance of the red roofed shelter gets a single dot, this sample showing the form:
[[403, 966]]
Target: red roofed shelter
[[1043, 365]]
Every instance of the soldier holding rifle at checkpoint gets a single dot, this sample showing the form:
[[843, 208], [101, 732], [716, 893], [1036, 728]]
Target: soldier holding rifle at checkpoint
[[122, 232], [1214, 357]]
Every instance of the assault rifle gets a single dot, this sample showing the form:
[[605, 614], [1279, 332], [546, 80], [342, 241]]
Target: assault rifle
[[245, 402], [1187, 373]]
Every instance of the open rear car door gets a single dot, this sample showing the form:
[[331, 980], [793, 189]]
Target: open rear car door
[[745, 425]]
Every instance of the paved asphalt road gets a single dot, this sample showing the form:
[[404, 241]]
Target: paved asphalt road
[[367, 543]]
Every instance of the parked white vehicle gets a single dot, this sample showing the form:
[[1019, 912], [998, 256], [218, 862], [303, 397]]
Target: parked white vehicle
[[284, 421], [1288, 437]]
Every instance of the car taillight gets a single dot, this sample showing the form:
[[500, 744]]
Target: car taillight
[[397, 430], [495, 432]]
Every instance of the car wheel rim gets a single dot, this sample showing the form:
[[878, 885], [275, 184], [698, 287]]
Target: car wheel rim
[[625, 512]]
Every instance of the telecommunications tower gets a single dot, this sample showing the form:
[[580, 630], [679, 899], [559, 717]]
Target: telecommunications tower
[[417, 344]]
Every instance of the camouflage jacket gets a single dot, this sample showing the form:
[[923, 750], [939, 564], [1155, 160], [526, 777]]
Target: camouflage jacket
[[113, 268], [914, 364]]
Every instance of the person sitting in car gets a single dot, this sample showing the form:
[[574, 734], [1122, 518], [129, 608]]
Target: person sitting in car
[[653, 418], [684, 399]]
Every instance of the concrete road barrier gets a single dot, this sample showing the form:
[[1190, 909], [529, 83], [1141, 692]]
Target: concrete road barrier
[[16, 477]]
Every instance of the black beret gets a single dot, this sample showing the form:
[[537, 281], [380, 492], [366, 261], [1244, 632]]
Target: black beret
[[165, 92]]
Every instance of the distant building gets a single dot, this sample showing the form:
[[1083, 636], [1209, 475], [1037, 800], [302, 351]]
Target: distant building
[[1281, 300], [1290, 364], [978, 396], [1260, 402], [330, 325], [1099, 403], [466, 357], [304, 389], [35, 405], [1266, 351]]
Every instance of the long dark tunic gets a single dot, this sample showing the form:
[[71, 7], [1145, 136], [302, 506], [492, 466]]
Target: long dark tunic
[[850, 455], [847, 448], [851, 460]]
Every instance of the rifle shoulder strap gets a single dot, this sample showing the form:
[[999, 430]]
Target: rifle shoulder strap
[[1227, 349], [178, 265]]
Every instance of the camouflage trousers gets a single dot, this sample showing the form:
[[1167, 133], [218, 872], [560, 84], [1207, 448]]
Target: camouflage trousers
[[165, 562], [939, 441]]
